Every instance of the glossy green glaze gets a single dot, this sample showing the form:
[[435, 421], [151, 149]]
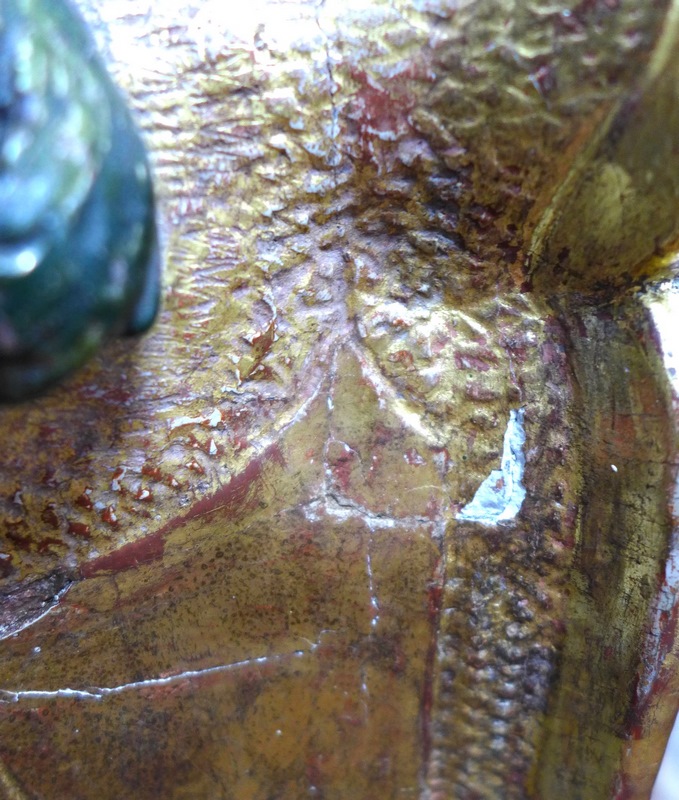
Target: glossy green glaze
[[78, 248]]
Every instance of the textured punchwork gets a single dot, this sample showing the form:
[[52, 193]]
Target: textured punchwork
[[78, 250]]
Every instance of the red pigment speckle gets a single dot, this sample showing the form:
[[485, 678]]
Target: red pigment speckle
[[444, 455], [510, 254], [231, 500], [139, 511], [194, 466], [413, 458], [480, 394], [115, 480], [624, 791], [479, 363], [399, 660], [315, 769], [108, 515], [382, 435], [49, 516], [433, 508], [380, 108], [261, 373], [440, 343], [45, 544], [152, 472], [48, 479], [5, 564], [552, 353], [183, 299], [305, 545], [236, 419], [261, 344], [12, 532], [79, 529], [118, 395], [85, 500], [544, 79], [143, 494], [239, 443], [46, 432], [341, 468], [404, 357]]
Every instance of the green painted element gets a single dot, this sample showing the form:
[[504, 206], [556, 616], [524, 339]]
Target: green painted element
[[78, 245]]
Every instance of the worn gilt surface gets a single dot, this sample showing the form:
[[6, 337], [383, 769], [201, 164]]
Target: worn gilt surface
[[236, 560]]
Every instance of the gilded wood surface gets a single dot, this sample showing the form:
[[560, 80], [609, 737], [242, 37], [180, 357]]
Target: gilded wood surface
[[234, 565]]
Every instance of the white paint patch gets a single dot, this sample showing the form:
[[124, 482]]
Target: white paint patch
[[374, 602], [501, 495], [667, 783], [665, 310]]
